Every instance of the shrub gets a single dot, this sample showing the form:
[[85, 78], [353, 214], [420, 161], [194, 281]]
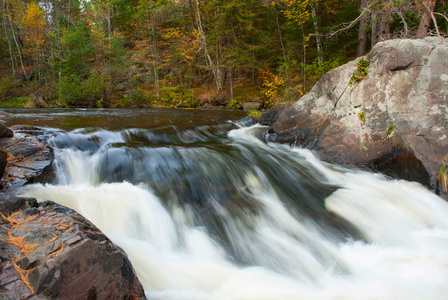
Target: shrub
[[90, 92], [254, 114], [95, 88], [233, 103], [390, 129], [18, 102], [361, 72], [362, 116], [70, 89], [7, 86], [177, 96]]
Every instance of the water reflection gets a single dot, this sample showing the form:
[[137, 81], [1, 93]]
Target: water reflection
[[115, 119]]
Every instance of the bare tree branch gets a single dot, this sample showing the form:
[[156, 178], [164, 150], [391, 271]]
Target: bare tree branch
[[347, 26]]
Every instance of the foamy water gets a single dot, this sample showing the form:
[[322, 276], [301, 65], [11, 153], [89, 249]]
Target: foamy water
[[260, 245]]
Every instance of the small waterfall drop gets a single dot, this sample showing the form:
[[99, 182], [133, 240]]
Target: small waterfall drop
[[207, 215]]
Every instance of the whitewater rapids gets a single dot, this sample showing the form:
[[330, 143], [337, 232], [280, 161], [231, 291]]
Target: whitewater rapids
[[185, 242]]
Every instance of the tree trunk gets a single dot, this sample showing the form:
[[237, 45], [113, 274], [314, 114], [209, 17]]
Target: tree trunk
[[320, 58], [283, 47], [304, 59], [231, 84], [220, 42], [374, 26], [17, 44], [156, 57], [7, 38], [426, 20], [384, 33], [204, 46], [362, 34], [384, 28], [109, 27]]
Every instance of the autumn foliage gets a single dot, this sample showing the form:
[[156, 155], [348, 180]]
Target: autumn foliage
[[103, 53]]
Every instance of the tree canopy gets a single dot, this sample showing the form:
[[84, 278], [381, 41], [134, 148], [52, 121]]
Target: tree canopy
[[182, 53]]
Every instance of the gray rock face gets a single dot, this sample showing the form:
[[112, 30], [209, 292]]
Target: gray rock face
[[49, 251], [27, 159], [393, 120], [251, 105]]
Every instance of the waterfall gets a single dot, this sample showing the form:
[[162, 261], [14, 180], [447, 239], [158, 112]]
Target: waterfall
[[216, 213]]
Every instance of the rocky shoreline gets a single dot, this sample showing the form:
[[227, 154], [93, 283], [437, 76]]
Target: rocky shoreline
[[386, 111], [46, 250]]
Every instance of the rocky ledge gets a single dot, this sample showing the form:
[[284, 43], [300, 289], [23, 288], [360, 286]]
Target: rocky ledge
[[387, 111], [24, 157], [47, 250]]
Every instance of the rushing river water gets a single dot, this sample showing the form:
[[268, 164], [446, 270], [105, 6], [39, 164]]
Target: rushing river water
[[205, 209]]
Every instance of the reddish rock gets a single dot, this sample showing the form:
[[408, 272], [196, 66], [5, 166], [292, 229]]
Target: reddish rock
[[29, 160], [49, 251]]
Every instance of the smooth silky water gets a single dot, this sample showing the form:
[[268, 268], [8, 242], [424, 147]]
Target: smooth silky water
[[205, 209]]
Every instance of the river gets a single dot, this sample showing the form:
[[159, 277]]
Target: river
[[205, 209]]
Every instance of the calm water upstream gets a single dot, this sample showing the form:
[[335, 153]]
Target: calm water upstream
[[205, 209]]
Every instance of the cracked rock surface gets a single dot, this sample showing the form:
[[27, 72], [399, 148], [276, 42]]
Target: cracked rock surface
[[394, 119], [28, 159], [48, 251]]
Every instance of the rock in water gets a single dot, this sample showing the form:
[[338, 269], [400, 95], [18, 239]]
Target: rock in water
[[5, 132], [386, 111], [29, 160], [49, 251], [3, 162]]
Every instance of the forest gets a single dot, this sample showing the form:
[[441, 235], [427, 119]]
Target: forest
[[188, 53]]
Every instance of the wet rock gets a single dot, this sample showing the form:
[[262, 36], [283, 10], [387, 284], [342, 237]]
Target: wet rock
[[4, 114], [251, 106], [29, 160], [53, 252], [47, 250], [393, 120], [9, 204], [5, 132], [3, 161], [269, 117], [247, 121]]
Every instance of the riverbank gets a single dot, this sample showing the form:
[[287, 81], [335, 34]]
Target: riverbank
[[48, 250], [386, 111], [15, 93]]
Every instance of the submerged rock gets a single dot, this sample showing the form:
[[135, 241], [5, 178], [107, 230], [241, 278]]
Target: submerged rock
[[49, 251], [387, 111]]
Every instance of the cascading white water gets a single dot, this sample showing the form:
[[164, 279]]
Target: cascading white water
[[183, 247]]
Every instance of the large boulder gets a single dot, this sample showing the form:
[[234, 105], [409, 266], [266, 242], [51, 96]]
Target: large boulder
[[393, 119], [29, 160], [49, 251]]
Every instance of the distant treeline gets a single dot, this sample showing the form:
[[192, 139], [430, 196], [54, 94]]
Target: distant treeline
[[102, 53]]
